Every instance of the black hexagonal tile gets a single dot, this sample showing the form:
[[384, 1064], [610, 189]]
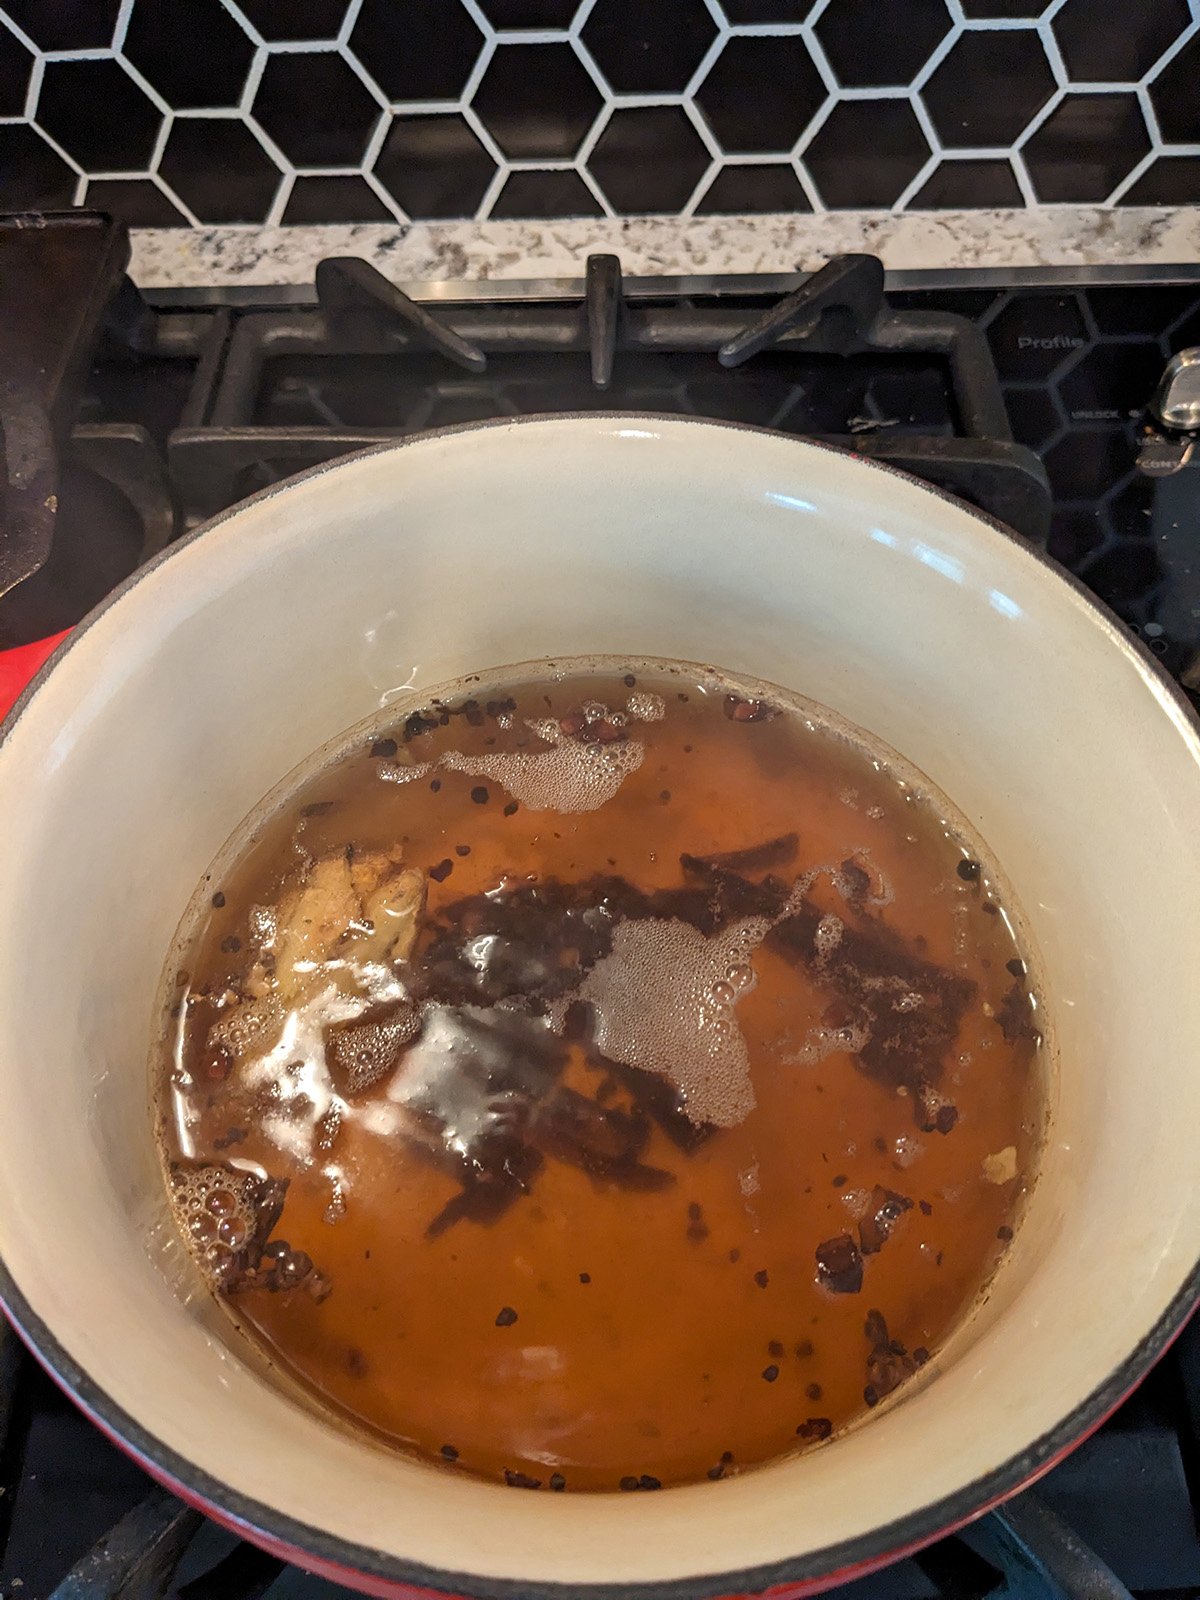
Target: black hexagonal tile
[[537, 101], [1111, 380], [137, 201], [743, 11], [434, 166], [334, 199], [1167, 181], [1106, 43], [421, 50], [66, 24], [648, 49], [1035, 333], [33, 177], [1086, 146], [1175, 94], [741, 190], [985, 9], [219, 170], [648, 159], [162, 44], [761, 93], [546, 194], [989, 86], [98, 114], [315, 108], [530, 13], [295, 19], [874, 43], [15, 62], [1033, 416], [967, 186], [866, 153]]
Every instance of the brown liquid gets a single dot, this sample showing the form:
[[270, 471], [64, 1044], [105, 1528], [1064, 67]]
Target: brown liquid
[[505, 1251]]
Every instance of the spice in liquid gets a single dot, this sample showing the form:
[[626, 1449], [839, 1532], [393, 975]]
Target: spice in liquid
[[604, 1081]]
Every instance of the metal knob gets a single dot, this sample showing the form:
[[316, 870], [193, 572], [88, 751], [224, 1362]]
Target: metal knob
[[1176, 401], [1175, 407]]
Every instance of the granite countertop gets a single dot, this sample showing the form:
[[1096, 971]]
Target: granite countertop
[[1047, 236]]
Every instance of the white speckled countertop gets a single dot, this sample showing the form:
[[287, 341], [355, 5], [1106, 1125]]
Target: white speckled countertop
[[1049, 236]]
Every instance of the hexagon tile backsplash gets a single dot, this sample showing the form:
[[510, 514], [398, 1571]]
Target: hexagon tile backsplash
[[170, 112]]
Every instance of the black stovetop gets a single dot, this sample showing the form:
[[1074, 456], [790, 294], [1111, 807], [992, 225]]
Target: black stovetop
[[194, 400]]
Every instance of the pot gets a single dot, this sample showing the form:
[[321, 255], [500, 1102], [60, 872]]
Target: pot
[[221, 665]]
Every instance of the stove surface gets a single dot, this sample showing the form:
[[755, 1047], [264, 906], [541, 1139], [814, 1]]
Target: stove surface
[[195, 400]]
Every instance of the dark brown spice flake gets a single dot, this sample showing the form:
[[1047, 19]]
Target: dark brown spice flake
[[435, 784], [815, 1428], [450, 1453], [629, 680], [1004, 1232], [462, 849], [511, 809], [926, 1208], [946, 1119], [813, 1391], [760, 1278], [665, 796], [218, 899], [839, 1265], [384, 749], [735, 1255], [992, 909], [557, 1482], [585, 1277], [647, 1481], [505, 1317], [480, 794], [442, 871], [630, 1482], [231, 945], [968, 871], [774, 1348], [920, 1355], [1016, 966], [871, 1395], [804, 1349], [521, 1480], [770, 1373], [840, 1181]]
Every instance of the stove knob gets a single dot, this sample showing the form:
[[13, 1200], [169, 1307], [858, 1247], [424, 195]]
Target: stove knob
[[1176, 408], [1176, 401]]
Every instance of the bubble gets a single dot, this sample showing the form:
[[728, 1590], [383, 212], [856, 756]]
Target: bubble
[[216, 1208], [653, 999], [740, 975], [646, 707], [722, 993], [566, 777], [828, 935]]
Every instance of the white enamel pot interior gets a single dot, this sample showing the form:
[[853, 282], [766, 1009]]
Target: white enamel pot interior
[[218, 668]]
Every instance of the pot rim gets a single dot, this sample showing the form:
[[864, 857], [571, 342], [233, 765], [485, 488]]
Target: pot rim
[[809, 1573]]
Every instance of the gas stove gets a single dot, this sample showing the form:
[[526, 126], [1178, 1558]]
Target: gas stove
[[1063, 403]]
